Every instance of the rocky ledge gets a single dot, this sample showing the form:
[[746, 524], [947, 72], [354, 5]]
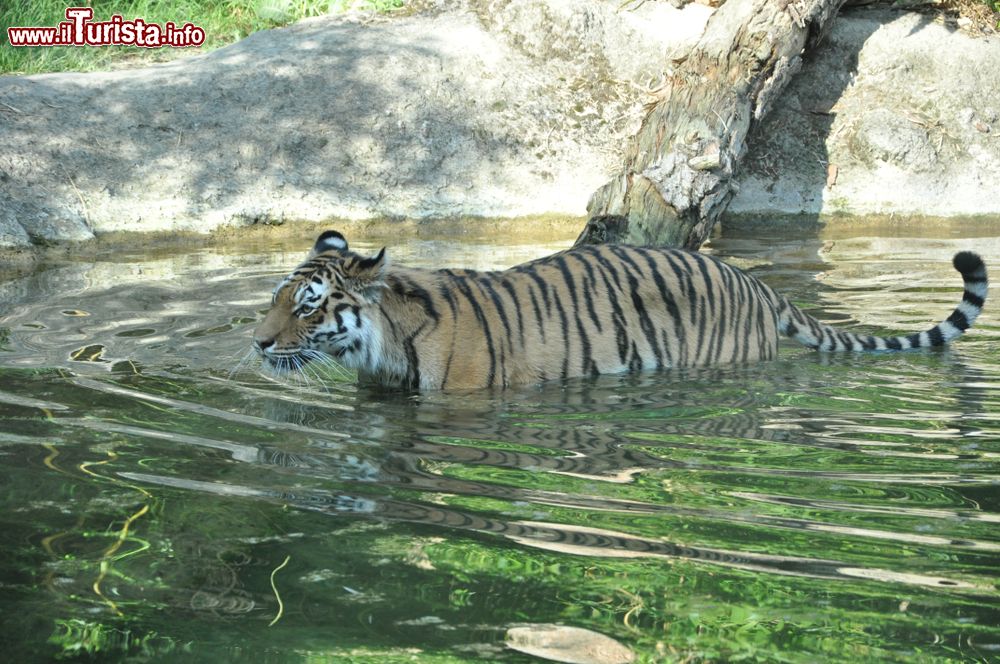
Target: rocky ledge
[[499, 109]]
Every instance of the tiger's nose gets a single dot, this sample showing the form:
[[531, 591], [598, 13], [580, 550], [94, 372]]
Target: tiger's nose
[[260, 345]]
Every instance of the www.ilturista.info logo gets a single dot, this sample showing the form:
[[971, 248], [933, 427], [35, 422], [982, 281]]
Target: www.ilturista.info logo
[[80, 30]]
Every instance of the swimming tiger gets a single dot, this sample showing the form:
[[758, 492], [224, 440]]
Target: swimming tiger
[[585, 311]]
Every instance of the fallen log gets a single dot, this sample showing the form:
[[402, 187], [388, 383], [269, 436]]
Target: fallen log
[[679, 168]]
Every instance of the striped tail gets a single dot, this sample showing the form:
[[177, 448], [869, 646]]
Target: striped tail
[[809, 332]]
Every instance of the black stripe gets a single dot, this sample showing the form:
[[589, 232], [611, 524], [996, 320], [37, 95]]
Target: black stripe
[[538, 312], [711, 338], [412, 289], [730, 302], [738, 298], [567, 276], [759, 300], [745, 298], [450, 299], [464, 289], [517, 309], [564, 326], [689, 352], [719, 333], [893, 343], [447, 364], [844, 339], [669, 302], [392, 324], [959, 320], [617, 317], [702, 264], [816, 329], [604, 263], [412, 359], [668, 356], [587, 361], [755, 321], [914, 340], [542, 286], [635, 362], [588, 293], [645, 324], [768, 311], [714, 347], [483, 283], [973, 299], [935, 335], [623, 254], [684, 279]]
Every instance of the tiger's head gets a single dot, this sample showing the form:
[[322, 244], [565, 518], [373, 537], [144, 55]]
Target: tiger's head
[[324, 309]]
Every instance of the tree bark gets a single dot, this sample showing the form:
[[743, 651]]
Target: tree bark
[[679, 169]]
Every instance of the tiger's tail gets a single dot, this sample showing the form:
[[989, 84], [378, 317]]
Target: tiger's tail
[[810, 332]]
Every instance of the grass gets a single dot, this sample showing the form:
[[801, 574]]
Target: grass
[[224, 22]]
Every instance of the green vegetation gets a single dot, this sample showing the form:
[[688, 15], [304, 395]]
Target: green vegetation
[[224, 22]]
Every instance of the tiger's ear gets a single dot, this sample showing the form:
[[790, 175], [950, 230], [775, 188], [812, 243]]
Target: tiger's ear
[[367, 275], [329, 241], [370, 269]]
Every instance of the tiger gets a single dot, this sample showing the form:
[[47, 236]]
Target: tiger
[[588, 310]]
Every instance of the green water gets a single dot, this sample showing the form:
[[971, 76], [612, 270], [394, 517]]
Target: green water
[[809, 509]]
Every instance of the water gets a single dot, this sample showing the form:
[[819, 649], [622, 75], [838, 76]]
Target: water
[[156, 507]]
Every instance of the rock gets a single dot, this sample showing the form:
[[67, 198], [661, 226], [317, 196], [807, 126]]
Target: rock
[[882, 135], [898, 102], [333, 117], [12, 233], [573, 645], [497, 108]]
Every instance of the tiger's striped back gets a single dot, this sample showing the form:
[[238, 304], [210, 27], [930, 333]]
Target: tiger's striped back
[[602, 309], [585, 311]]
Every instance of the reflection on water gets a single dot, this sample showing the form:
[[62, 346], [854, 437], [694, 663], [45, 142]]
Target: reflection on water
[[809, 508]]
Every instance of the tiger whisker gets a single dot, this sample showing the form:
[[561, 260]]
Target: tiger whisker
[[328, 362], [247, 357], [316, 377]]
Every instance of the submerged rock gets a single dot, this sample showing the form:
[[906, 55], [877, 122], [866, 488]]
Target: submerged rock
[[573, 645], [503, 108]]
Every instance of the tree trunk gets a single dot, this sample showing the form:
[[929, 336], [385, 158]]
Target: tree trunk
[[679, 168]]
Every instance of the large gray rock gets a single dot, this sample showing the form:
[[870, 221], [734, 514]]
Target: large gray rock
[[904, 108], [484, 108], [330, 118]]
